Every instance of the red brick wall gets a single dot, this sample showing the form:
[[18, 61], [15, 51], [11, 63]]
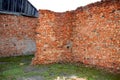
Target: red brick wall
[[96, 36], [17, 35], [53, 37], [90, 35]]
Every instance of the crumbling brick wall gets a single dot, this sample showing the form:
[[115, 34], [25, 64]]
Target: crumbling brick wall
[[17, 35], [89, 34]]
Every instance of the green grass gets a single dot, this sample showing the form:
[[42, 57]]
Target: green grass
[[12, 68]]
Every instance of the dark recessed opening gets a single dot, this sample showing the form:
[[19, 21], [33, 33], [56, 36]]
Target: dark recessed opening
[[68, 47]]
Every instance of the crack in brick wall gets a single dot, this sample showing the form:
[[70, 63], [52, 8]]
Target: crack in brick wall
[[89, 35]]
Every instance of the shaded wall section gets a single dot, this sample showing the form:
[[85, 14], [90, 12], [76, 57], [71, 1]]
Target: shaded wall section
[[89, 35], [17, 35]]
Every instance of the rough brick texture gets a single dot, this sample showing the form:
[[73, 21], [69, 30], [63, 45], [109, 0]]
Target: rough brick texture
[[53, 37], [17, 35], [96, 35], [90, 35]]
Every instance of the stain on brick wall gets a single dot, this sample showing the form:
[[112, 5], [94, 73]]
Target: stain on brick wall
[[89, 34], [17, 35]]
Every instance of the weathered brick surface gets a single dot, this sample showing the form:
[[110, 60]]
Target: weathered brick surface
[[53, 37], [96, 36], [90, 35], [17, 35]]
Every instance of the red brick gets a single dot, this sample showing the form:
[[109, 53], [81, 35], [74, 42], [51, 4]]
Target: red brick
[[17, 33], [89, 34]]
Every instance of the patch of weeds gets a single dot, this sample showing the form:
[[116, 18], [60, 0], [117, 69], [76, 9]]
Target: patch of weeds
[[15, 71], [12, 68]]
